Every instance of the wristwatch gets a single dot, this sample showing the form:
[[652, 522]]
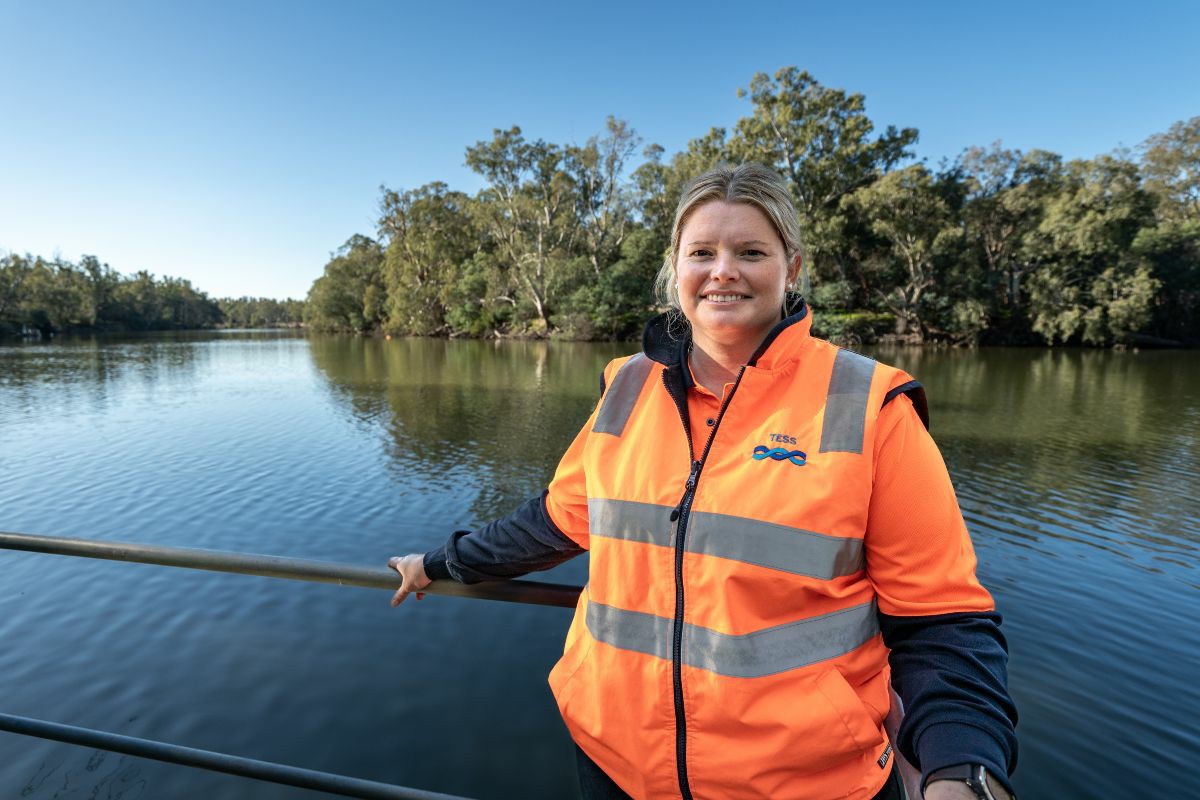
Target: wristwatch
[[976, 777]]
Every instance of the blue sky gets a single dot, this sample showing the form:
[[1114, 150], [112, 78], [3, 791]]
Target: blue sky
[[238, 144]]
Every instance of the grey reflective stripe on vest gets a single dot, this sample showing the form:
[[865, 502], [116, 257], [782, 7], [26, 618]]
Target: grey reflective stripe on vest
[[620, 398], [634, 522], [846, 404], [767, 544], [764, 544], [750, 655]]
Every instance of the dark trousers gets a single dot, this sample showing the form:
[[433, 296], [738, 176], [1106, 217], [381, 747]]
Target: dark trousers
[[595, 784]]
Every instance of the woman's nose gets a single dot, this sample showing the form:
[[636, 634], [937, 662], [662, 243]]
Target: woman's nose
[[725, 266]]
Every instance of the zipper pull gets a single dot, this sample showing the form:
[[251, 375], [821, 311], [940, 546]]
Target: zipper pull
[[688, 488]]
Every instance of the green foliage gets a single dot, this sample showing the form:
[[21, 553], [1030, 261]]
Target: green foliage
[[260, 312], [1171, 164], [820, 139], [1086, 281], [998, 246], [348, 296], [55, 296], [1171, 250], [914, 227], [832, 295], [429, 232], [854, 328]]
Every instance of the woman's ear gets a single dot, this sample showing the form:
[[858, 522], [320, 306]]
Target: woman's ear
[[794, 269]]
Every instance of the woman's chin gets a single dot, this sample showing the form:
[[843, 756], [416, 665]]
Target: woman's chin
[[730, 326]]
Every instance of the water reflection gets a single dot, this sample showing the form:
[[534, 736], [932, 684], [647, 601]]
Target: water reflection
[[1094, 447], [1076, 471], [492, 415]]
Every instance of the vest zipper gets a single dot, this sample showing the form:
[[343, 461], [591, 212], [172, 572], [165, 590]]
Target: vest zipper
[[680, 514]]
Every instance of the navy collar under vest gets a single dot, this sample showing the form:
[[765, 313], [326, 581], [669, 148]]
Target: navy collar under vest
[[668, 338]]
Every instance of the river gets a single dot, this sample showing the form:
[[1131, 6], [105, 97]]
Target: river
[[1077, 472]]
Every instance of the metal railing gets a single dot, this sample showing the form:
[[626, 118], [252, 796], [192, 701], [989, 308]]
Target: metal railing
[[533, 592], [300, 569], [216, 762]]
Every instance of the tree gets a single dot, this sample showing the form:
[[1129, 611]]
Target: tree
[[916, 226], [1171, 165], [348, 295], [427, 232], [14, 271], [528, 209], [102, 283], [602, 203], [1005, 200], [1088, 281], [820, 140]]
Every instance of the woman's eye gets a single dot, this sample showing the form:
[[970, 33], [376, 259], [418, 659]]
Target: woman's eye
[[755, 253], [700, 253]]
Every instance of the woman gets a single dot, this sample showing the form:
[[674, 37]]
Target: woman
[[773, 541]]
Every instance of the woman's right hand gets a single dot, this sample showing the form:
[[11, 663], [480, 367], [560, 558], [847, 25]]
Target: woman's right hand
[[412, 572]]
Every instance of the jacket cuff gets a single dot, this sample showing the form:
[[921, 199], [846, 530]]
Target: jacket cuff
[[435, 565], [946, 744]]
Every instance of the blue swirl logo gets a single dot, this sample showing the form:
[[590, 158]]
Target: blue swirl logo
[[779, 454]]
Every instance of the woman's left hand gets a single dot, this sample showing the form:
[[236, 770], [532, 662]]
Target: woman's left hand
[[412, 573]]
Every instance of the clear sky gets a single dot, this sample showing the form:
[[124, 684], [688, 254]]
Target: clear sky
[[237, 144]]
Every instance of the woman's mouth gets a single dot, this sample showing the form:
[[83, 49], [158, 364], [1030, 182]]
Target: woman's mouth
[[724, 297]]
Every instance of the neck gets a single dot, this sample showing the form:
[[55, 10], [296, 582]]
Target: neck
[[715, 364]]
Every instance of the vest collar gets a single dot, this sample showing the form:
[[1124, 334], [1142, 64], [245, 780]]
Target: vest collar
[[668, 337]]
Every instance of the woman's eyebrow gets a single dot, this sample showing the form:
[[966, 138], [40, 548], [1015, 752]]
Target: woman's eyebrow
[[748, 241]]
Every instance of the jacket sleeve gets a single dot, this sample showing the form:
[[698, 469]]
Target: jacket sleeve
[[948, 656], [542, 533], [526, 540]]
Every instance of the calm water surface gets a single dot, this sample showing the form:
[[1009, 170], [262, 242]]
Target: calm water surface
[[1077, 472]]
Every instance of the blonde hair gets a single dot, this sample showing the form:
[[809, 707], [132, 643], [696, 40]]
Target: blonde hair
[[750, 183]]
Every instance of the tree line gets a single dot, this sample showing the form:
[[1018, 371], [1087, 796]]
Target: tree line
[[996, 246], [55, 295]]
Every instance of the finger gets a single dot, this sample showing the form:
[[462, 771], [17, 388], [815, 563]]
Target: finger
[[393, 561], [420, 595], [399, 596]]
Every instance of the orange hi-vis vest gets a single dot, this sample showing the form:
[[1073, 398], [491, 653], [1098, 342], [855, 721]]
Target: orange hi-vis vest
[[727, 642]]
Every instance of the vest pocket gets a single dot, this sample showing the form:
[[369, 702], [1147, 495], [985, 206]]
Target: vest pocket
[[576, 654], [860, 727]]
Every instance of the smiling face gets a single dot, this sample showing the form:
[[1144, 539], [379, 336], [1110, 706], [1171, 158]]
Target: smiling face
[[733, 272]]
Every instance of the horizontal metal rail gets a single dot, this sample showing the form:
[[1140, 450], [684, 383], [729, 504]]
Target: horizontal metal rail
[[217, 762], [534, 592]]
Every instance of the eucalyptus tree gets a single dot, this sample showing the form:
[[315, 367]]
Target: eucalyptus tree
[[1088, 282], [528, 210], [915, 225], [14, 271], [260, 312], [821, 140], [658, 184], [350, 295], [1006, 193], [102, 286], [603, 202], [427, 234], [1170, 162]]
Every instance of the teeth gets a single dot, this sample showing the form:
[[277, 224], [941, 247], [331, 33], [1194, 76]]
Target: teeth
[[724, 298]]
